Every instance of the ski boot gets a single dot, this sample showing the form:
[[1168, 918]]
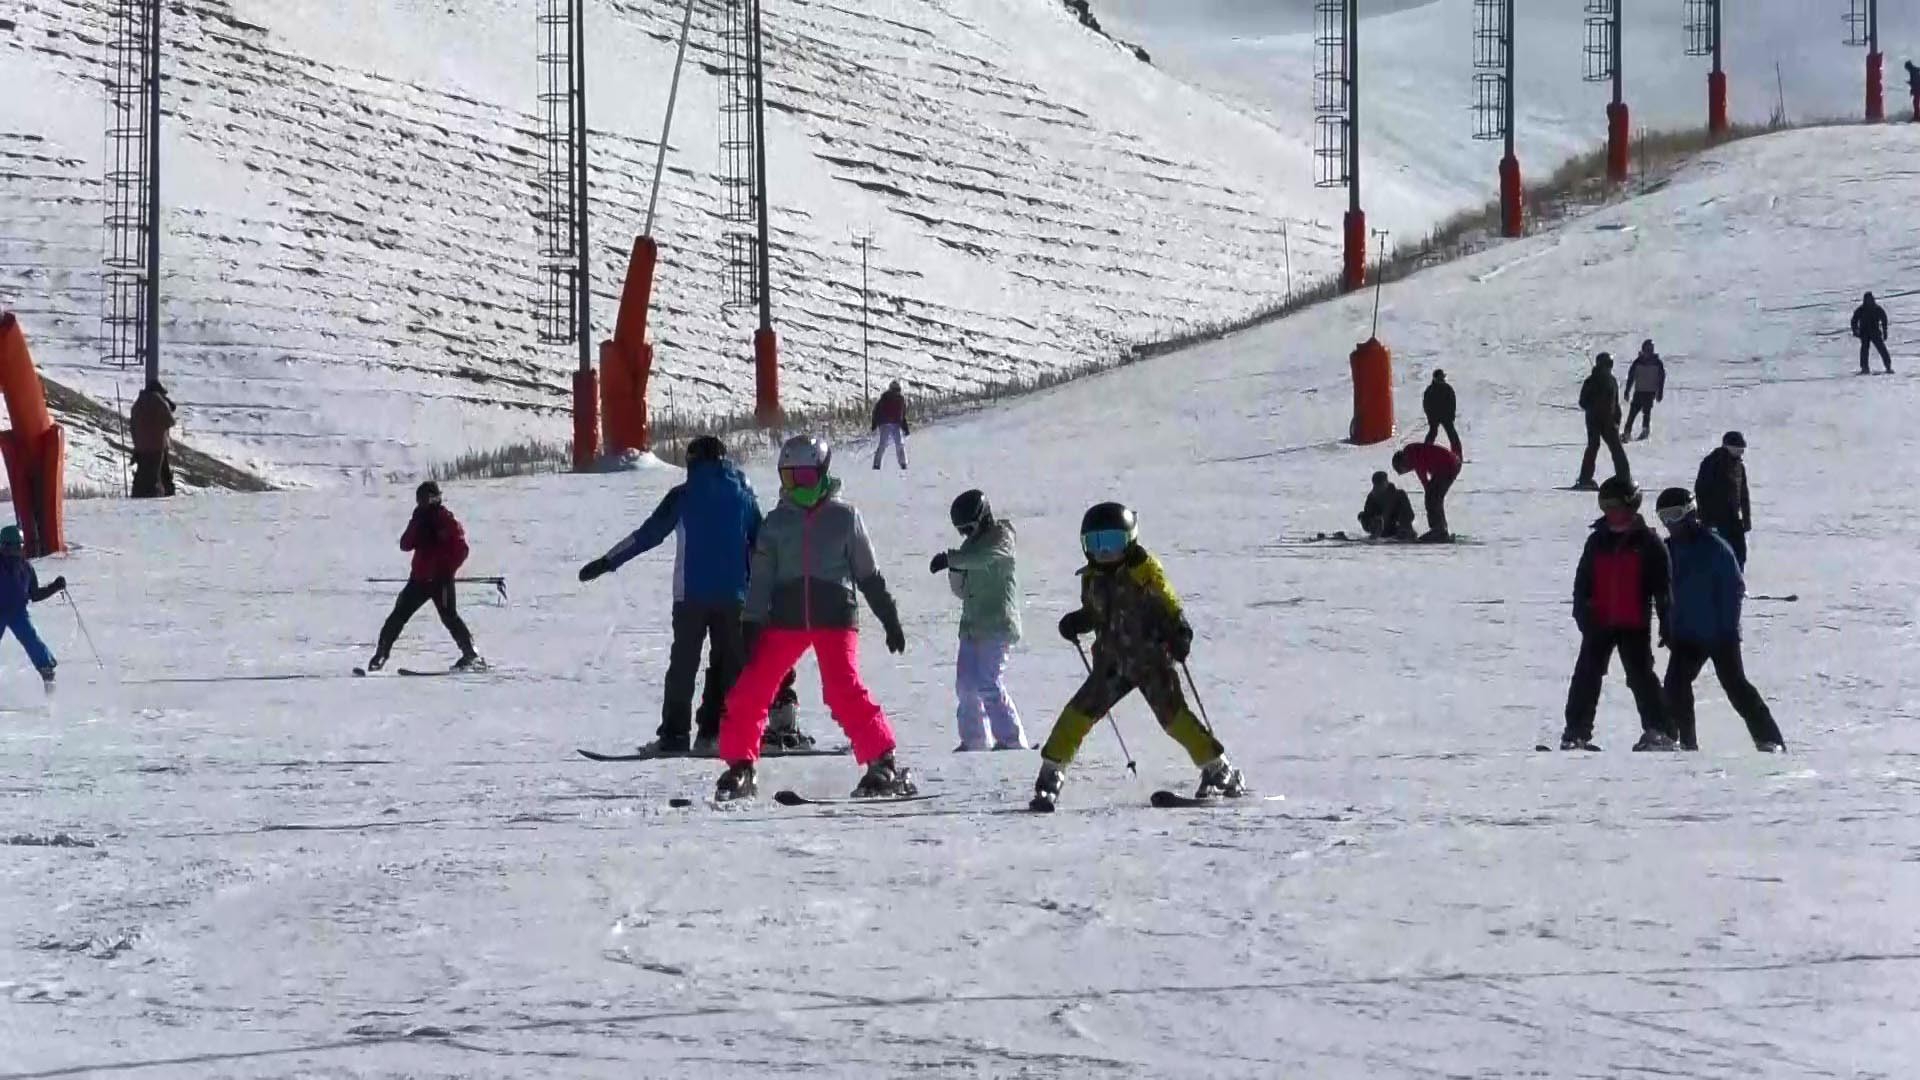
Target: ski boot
[[1576, 742], [783, 734], [379, 661], [885, 780], [1219, 779], [1658, 741], [705, 744], [46, 678], [1046, 788], [1585, 484], [1763, 747], [666, 745], [736, 783], [1011, 746], [470, 661], [972, 748]]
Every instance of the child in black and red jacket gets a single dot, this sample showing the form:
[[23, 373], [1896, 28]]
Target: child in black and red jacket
[[439, 547], [1623, 586]]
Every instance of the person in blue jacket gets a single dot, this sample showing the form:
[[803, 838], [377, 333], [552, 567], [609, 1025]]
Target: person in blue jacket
[[1705, 625], [714, 519], [20, 586]]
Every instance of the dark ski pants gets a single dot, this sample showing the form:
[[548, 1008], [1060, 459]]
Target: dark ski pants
[[1867, 344], [697, 625], [1598, 433], [1736, 538], [1436, 495], [1597, 647], [1641, 407], [1453, 437], [1683, 666], [152, 474], [414, 596]]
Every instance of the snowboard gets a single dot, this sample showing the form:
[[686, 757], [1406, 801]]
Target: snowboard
[[670, 755]]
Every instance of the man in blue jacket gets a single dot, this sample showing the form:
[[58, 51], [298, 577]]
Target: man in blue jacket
[[714, 519], [1705, 624]]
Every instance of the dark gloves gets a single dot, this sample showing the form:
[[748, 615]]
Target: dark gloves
[[938, 564], [1180, 642], [426, 525], [59, 585], [597, 568], [1074, 624], [896, 639]]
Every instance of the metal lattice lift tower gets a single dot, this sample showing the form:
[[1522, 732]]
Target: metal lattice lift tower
[[743, 182], [1704, 39], [564, 310], [1605, 37], [130, 320], [1493, 111], [1863, 29], [1336, 108]]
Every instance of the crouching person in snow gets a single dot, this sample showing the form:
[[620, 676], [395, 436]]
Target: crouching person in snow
[[1705, 625], [20, 586], [810, 557], [1437, 467], [1622, 583], [1388, 513], [981, 571], [1140, 638], [439, 547]]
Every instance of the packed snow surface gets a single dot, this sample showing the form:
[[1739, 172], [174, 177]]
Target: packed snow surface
[[417, 877]]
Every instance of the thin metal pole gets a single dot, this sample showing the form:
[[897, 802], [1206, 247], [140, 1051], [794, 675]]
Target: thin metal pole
[[666, 126], [584, 272], [757, 79], [1353, 105], [1873, 26], [1508, 89], [1716, 36], [866, 377], [152, 327], [1619, 39]]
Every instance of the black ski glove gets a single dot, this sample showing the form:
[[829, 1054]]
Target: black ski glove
[[426, 527], [938, 564], [597, 568], [60, 584], [896, 639], [1180, 642], [1074, 624]]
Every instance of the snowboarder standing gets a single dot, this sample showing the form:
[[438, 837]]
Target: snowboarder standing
[[810, 557], [1620, 588], [1441, 409], [1870, 326], [1388, 513], [1721, 492], [890, 420], [1437, 468], [1705, 624], [151, 422], [982, 574], [1600, 402], [1646, 384], [439, 547], [1140, 635], [20, 586]]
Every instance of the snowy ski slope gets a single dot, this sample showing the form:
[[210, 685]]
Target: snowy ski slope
[[355, 878]]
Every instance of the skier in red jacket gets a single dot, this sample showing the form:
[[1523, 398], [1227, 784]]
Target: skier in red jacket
[[1621, 591], [1437, 467], [439, 547]]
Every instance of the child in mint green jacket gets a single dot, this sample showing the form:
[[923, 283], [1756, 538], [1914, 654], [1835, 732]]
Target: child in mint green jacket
[[981, 571]]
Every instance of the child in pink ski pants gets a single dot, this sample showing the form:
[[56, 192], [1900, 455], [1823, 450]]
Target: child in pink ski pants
[[775, 652]]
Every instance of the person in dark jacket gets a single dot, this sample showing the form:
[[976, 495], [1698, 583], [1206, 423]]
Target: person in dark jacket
[[1388, 514], [1600, 402], [1622, 586], [1720, 489], [1442, 410], [20, 586], [1705, 625], [1646, 384], [1870, 326], [1913, 88], [1437, 469], [714, 519], [890, 420], [150, 422], [439, 547]]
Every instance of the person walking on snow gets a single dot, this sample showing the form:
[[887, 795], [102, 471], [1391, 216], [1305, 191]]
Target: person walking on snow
[[810, 557], [1721, 492], [1621, 587], [1870, 326], [1646, 384], [151, 423], [1705, 625], [1140, 637], [714, 519], [1437, 468], [1441, 409], [1913, 88], [439, 547], [981, 573], [1600, 402], [19, 587], [890, 420], [1388, 513]]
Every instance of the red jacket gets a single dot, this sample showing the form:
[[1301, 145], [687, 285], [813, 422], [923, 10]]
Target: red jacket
[[438, 543], [1429, 461]]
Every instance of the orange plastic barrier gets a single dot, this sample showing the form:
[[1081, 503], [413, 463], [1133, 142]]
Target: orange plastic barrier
[[1513, 214], [627, 360], [1372, 393], [1876, 88], [1717, 102], [1353, 270], [1617, 146], [34, 448]]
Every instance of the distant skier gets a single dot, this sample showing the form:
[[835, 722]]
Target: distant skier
[[1437, 468], [714, 519], [1622, 585], [439, 547], [1140, 636], [20, 586], [1721, 491], [1705, 625], [982, 574], [1441, 409], [810, 557], [1870, 326], [890, 420], [1913, 88], [1600, 402], [151, 422], [1388, 514], [1646, 384]]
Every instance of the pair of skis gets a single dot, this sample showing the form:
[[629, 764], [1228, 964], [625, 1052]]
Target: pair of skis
[[1162, 800]]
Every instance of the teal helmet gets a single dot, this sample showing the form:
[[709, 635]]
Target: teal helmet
[[11, 539]]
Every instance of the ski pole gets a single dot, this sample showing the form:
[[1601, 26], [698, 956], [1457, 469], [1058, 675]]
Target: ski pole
[[1132, 766], [82, 623], [1197, 703]]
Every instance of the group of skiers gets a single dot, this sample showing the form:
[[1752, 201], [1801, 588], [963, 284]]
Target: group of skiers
[[1600, 398]]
